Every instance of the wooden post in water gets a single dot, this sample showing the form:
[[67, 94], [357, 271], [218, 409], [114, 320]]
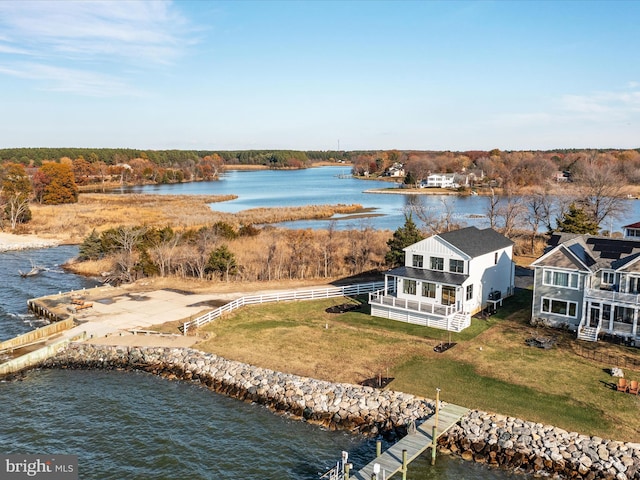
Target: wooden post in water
[[404, 465], [378, 448], [347, 467]]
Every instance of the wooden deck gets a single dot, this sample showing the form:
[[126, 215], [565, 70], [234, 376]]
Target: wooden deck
[[414, 443]]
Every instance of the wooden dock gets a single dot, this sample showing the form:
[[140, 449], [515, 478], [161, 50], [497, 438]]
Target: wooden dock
[[414, 443]]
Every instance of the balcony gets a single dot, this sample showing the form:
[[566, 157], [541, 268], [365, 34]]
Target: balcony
[[612, 296]]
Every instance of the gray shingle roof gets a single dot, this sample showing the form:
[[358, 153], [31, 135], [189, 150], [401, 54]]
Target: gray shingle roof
[[429, 275], [475, 242]]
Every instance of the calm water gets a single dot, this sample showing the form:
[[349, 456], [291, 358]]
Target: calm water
[[319, 186]]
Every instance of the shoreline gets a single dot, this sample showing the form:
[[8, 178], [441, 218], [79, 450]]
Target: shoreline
[[14, 242], [486, 438]]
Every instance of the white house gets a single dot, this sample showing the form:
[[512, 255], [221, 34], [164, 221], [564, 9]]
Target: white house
[[590, 285], [440, 180], [447, 278]]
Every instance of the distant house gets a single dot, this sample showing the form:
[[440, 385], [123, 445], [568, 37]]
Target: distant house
[[447, 278], [590, 285], [440, 180], [396, 170]]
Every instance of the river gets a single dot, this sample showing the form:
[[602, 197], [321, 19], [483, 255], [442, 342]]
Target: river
[[334, 185], [137, 426]]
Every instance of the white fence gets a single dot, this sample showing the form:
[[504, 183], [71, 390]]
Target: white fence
[[330, 292]]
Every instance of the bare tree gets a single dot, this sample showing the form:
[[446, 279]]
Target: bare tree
[[437, 219], [492, 209], [601, 187], [510, 211], [539, 208]]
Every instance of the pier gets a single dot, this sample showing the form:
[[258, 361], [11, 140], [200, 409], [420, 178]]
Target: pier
[[401, 454]]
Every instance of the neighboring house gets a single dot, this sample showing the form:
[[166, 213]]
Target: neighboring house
[[447, 278], [440, 180], [590, 285], [396, 170]]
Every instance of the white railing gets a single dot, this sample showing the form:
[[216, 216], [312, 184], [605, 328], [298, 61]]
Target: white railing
[[428, 308], [616, 297], [329, 292]]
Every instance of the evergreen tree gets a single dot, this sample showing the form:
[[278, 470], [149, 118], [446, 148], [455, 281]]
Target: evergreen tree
[[576, 220], [91, 247], [404, 236], [222, 262]]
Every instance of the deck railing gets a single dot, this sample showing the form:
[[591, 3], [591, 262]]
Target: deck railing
[[406, 304], [329, 292]]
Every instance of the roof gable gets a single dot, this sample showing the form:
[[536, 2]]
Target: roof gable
[[561, 257]]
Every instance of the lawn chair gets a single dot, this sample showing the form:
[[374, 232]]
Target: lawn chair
[[633, 387], [623, 386]]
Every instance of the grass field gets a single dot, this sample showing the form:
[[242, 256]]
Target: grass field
[[490, 367]]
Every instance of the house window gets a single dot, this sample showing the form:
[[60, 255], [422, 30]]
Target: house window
[[606, 312], [559, 307], [448, 295], [418, 261], [633, 232], [469, 293], [608, 278], [437, 263], [560, 279], [623, 315], [634, 285], [409, 286], [429, 290], [456, 266]]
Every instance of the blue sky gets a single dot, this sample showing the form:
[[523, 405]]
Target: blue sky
[[450, 75]]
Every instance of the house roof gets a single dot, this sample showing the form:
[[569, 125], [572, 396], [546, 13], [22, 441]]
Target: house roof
[[475, 242], [594, 252], [632, 225], [429, 275]]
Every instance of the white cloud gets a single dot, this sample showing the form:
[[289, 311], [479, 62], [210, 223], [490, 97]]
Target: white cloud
[[58, 79], [88, 38], [603, 103]]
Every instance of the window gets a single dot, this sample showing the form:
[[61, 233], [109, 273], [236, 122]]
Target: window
[[409, 286], [469, 294], [429, 290], [559, 307], [606, 312], [560, 279], [418, 261], [608, 278], [634, 285], [448, 295], [623, 315], [456, 266], [437, 263]]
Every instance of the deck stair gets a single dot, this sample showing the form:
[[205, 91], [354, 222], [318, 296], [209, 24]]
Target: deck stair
[[589, 334]]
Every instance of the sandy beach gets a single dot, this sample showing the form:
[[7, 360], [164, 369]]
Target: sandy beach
[[9, 241]]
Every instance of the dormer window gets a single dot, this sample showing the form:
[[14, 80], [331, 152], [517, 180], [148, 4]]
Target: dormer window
[[418, 261], [437, 263]]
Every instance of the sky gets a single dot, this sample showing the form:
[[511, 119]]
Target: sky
[[320, 75]]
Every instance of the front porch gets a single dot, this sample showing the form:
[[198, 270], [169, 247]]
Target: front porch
[[612, 315], [428, 314]]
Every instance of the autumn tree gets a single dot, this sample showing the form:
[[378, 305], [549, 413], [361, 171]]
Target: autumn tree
[[54, 184], [15, 190]]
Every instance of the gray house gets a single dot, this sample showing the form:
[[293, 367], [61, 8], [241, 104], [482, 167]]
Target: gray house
[[590, 285]]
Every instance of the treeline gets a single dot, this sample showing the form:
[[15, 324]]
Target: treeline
[[510, 170], [171, 158], [223, 252]]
